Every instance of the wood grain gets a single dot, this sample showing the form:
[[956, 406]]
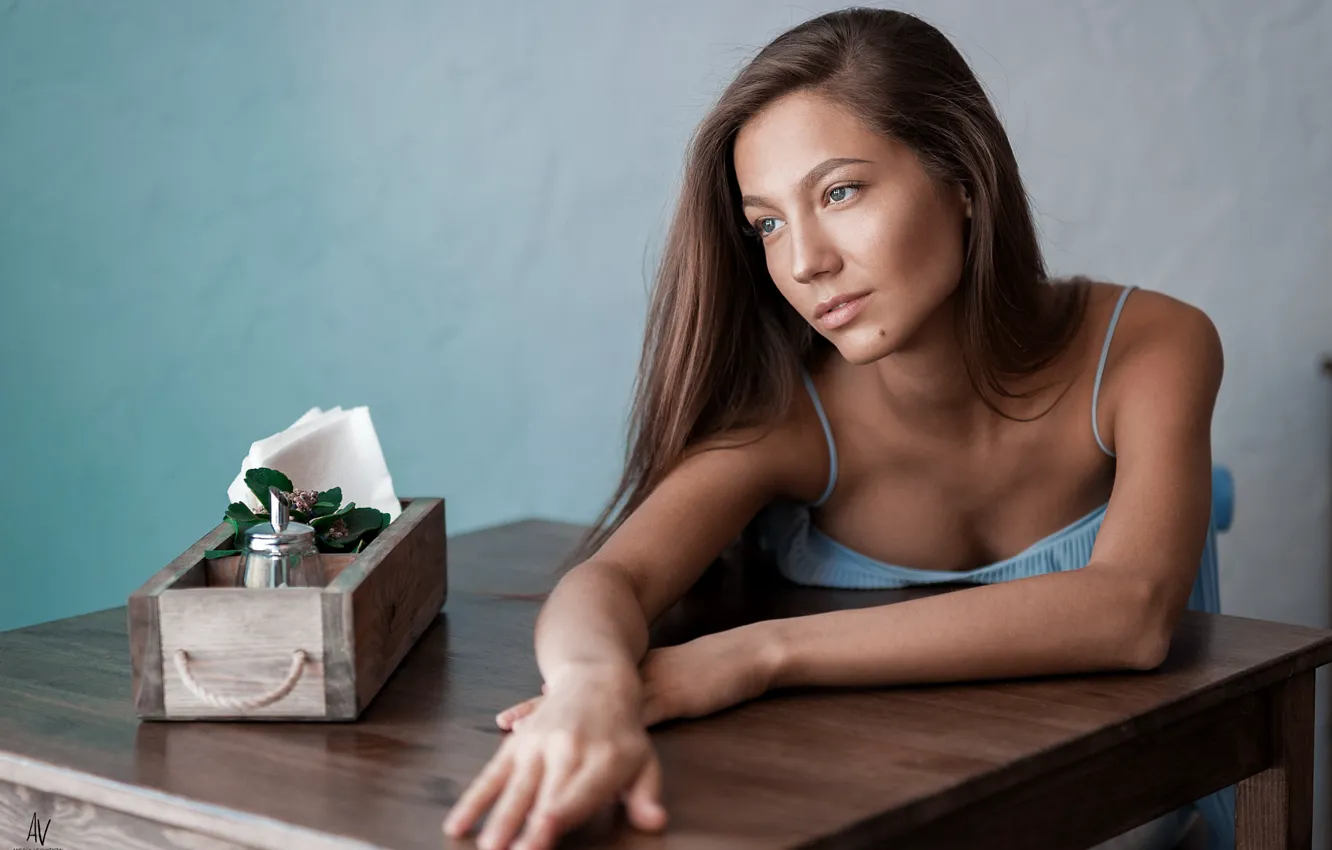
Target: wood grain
[[798, 768], [144, 625], [67, 824], [354, 630], [240, 643], [1274, 808], [1092, 801], [339, 669], [92, 813], [397, 586]]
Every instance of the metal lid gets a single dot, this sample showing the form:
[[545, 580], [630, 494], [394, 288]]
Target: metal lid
[[279, 534]]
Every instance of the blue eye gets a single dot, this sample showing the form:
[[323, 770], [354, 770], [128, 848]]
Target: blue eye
[[767, 225], [849, 187]]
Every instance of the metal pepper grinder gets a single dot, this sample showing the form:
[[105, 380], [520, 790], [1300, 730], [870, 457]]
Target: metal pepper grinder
[[280, 553]]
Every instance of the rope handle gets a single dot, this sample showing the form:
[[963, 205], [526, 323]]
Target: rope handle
[[298, 658]]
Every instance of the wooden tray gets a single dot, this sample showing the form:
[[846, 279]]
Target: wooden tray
[[201, 650]]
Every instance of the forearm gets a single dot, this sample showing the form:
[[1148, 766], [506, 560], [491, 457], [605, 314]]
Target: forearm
[[1069, 622], [592, 625]]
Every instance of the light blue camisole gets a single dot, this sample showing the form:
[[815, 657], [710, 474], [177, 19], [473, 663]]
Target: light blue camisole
[[807, 556]]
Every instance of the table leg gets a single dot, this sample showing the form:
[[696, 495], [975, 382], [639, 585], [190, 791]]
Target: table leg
[[1274, 809]]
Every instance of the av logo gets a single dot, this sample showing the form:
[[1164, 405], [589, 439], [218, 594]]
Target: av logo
[[37, 832]]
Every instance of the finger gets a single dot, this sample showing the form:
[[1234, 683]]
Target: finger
[[643, 801], [542, 833], [479, 795], [509, 716], [513, 806], [562, 759], [593, 785]]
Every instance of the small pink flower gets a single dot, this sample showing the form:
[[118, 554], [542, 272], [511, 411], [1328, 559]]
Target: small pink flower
[[337, 529]]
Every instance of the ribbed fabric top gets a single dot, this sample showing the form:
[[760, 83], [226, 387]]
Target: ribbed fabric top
[[807, 556]]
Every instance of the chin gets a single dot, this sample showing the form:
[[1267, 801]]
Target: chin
[[859, 346]]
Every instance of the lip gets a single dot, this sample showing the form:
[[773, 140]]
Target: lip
[[840, 309]]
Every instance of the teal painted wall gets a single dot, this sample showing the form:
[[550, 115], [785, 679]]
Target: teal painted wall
[[217, 215]]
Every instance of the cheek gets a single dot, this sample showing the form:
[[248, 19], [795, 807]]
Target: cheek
[[781, 277], [908, 247], [920, 248]]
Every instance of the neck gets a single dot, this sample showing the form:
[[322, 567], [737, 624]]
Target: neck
[[924, 384], [926, 379]]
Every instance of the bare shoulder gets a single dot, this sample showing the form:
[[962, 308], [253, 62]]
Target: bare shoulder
[[1165, 358], [708, 496], [1160, 331], [790, 454]]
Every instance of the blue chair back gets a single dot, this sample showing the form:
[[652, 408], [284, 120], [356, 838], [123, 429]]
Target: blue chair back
[[1223, 498]]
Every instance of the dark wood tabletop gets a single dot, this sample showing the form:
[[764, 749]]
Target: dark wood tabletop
[[1055, 762]]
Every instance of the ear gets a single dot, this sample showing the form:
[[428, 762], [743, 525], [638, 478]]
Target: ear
[[966, 200]]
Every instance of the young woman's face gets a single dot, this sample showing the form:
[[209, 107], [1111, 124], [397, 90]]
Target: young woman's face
[[847, 216]]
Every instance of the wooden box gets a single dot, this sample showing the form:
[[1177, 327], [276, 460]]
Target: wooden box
[[201, 650]]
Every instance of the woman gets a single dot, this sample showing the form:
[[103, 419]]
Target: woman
[[855, 355]]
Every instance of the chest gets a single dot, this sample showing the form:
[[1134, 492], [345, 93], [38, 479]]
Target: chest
[[931, 500]]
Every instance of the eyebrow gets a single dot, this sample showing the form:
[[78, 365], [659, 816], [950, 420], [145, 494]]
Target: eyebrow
[[807, 182]]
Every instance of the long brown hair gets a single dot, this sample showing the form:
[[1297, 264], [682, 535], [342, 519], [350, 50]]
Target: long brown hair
[[723, 348]]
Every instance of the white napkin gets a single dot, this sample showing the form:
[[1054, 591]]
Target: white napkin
[[321, 450]]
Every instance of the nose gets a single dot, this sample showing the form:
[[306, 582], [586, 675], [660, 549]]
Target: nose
[[812, 253]]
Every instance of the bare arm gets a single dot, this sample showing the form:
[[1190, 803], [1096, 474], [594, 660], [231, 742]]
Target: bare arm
[[1118, 612], [596, 621], [587, 741]]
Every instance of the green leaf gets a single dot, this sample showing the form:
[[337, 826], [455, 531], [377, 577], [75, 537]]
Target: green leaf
[[220, 553], [261, 478], [328, 519], [336, 547], [240, 511], [362, 523], [362, 520], [323, 509], [333, 496]]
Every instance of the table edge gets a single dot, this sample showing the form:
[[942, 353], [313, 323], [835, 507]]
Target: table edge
[[1005, 777], [258, 831]]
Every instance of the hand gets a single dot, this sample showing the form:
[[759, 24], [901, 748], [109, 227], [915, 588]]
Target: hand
[[693, 679], [582, 746]]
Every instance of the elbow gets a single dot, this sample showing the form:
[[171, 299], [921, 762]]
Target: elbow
[[1147, 652], [1145, 631]]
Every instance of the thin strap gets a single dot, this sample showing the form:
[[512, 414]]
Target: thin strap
[[1100, 367], [827, 432]]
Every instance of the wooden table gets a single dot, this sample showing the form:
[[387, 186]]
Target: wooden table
[[1049, 763]]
